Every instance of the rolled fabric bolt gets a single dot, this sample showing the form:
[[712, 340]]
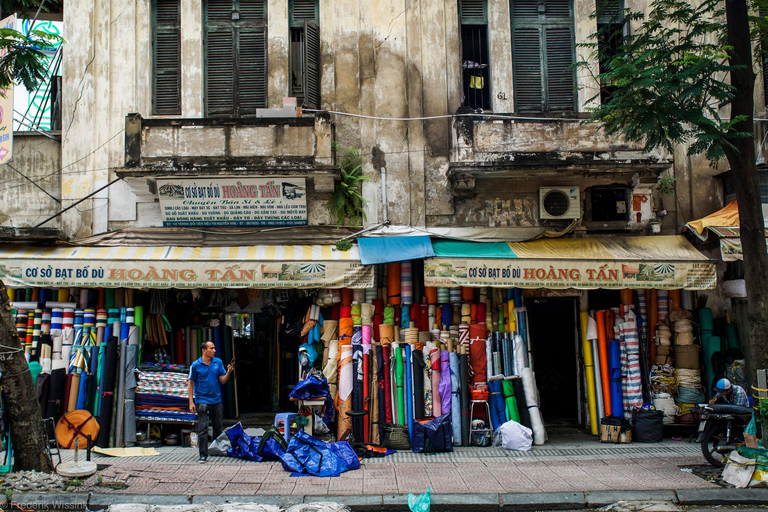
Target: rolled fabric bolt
[[430, 292], [455, 294], [24, 305], [406, 282], [129, 315], [68, 319], [45, 326], [101, 318], [464, 334], [358, 295], [456, 314], [57, 316], [393, 283], [443, 295], [466, 310]]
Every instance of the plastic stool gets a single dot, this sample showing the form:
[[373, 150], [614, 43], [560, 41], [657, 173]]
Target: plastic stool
[[480, 432], [286, 418]]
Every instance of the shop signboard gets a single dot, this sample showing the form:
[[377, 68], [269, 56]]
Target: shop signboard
[[308, 266], [581, 274], [273, 201]]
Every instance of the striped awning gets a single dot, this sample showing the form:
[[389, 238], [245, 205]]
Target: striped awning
[[255, 266]]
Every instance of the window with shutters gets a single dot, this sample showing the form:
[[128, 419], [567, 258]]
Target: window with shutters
[[305, 52], [235, 57], [166, 69], [610, 32], [475, 59], [542, 53]]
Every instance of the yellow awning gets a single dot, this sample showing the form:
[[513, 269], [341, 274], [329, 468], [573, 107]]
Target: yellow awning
[[727, 217], [255, 266], [612, 262]]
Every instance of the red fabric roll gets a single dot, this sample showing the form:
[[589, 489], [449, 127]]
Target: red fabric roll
[[424, 318], [346, 297], [414, 314], [345, 312], [477, 360], [473, 313], [467, 293], [377, 320], [439, 316], [378, 306], [335, 312], [481, 313], [430, 292], [397, 315]]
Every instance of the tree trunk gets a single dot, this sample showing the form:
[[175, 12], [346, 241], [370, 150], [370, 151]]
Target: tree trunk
[[24, 415], [742, 162]]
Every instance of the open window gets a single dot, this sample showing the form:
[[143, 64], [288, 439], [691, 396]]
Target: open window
[[609, 204], [475, 58], [305, 53]]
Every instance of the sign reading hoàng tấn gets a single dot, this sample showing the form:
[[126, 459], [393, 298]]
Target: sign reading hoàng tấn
[[273, 201]]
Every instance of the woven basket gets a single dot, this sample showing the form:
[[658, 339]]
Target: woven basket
[[395, 437]]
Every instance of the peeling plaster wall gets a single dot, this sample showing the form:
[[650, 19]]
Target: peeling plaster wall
[[37, 158]]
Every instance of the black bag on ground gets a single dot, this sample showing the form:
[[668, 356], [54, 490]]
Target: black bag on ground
[[647, 426], [433, 435]]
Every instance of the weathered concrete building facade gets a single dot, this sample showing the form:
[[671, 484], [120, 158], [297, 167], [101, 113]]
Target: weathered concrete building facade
[[466, 112]]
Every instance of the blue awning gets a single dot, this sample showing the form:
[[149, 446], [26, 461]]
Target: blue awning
[[386, 249]]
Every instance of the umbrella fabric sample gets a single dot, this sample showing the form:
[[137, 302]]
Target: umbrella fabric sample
[[509, 398], [346, 383], [464, 389]]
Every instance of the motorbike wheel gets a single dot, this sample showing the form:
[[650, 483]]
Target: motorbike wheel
[[714, 436]]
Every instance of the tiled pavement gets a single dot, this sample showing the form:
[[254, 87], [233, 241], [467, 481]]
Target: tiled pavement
[[562, 465]]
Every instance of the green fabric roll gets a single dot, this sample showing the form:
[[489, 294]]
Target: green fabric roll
[[389, 315], [355, 311], [510, 400], [710, 344], [732, 335], [109, 298], [706, 322], [400, 378], [35, 369]]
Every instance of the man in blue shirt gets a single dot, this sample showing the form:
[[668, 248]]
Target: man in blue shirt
[[205, 375], [730, 394]]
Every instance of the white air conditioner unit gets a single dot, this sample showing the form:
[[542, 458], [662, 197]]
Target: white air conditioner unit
[[559, 203]]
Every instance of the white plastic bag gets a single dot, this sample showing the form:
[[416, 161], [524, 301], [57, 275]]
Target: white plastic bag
[[513, 436], [220, 445]]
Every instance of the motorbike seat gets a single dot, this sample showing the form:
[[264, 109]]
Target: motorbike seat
[[730, 409]]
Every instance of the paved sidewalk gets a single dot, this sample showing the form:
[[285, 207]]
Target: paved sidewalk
[[569, 465]]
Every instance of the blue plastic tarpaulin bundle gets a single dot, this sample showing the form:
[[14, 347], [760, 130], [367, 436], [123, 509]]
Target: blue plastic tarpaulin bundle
[[307, 455], [268, 447], [314, 388]]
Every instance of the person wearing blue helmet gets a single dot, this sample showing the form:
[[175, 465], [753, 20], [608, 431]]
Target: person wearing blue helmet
[[730, 394]]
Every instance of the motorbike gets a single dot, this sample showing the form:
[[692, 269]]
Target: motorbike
[[721, 430]]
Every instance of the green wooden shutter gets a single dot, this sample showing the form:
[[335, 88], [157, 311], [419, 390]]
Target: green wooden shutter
[[252, 10], [522, 9], [220, 74], [301, 11], [166, 85], [311, 82], [218, 11], [608, 11], [252, 71], [473, 12], [561, 83], [527, 68]]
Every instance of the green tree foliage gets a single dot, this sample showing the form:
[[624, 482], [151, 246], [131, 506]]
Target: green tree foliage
[[347, 203], [669, 79], [23, 60]]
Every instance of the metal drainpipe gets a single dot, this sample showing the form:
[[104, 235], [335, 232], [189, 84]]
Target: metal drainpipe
[[384, 193]]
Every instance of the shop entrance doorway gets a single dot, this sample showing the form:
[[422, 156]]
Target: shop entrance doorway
[[256, 358], [553, 333]]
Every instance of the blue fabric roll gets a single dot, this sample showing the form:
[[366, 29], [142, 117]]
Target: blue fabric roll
[[455, 404], [498, 408], [518, 293], [614, 376], [81, 393], [405, 317], [447, 314]]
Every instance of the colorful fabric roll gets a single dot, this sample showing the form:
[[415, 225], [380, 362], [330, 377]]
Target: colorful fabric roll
[[57, 317], [632, 384], [346, 384], [436, 365], [443, 295], [393, 283], [370, 294], [455, 294], [455, 398], [113, 315], [68, 318], [45, 322], [22, 318], [30, 332], [662, 297], [355, 314], [406, 283], [464, 334], [130, 315]]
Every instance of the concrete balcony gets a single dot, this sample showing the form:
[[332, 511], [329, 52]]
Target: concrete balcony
[[503, 146], [255, 147]]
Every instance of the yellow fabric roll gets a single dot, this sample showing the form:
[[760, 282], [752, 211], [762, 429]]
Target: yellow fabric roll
[[589, 367], [511, 309]]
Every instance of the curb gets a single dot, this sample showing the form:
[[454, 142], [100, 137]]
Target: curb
[[488, 502]]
